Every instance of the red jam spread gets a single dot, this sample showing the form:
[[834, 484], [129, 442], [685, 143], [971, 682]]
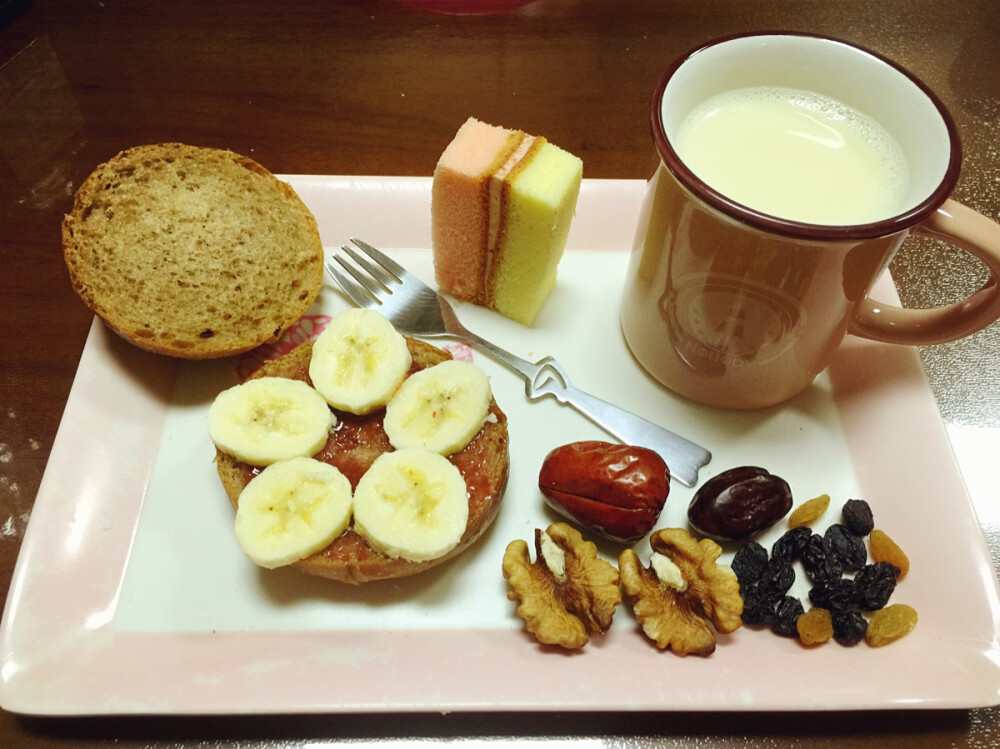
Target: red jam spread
[[356, 441]]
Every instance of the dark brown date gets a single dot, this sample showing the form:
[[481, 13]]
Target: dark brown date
[[614, 490], [739, 502]]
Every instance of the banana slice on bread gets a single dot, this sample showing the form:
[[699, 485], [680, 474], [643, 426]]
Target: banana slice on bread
[[439, 408], [294, 508], [412, 504], [270, 419], [414, 510], [359, 361]]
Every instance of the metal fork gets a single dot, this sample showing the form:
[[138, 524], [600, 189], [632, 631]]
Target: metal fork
[[374, 281]]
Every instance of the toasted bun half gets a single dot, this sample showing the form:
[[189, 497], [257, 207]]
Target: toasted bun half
[[192, 252], [353, 446]]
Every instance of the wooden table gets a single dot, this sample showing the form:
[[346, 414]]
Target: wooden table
[[375, 88]]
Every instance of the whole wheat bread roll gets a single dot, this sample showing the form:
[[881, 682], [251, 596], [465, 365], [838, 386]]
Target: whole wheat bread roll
[[353, 446], [192, 252]]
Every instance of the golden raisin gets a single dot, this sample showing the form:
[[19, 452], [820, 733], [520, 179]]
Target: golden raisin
[[815, 626], [809, 512], [889, 624], [884, 549]]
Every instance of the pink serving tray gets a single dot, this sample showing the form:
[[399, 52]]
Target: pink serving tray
[[130, 594]]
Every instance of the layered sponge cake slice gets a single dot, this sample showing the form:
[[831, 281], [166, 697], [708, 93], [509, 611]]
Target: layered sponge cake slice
[[502, 204]]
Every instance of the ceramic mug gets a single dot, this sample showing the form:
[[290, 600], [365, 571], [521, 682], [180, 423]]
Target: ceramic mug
[[734, 306]]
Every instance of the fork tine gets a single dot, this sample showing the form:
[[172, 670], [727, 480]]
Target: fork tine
[[386, 262], [358, 293], [379, 273]]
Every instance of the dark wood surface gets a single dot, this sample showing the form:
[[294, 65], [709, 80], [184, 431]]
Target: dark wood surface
[[376, 88]]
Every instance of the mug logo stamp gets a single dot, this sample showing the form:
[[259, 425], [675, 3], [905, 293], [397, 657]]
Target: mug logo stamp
[[730, 320]]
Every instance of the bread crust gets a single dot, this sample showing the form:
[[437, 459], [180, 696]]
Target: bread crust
[[353, 446], [192, 252]]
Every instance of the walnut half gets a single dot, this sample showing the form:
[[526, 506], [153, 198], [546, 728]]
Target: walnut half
[[675, 612], [568, 593]]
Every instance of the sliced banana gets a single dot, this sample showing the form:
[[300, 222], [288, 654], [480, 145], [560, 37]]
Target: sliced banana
[[269, 419], [440, 408], [358, 361], [412, 504], [294, 508]]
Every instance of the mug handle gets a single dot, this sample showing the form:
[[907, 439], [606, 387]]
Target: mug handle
[[970, 231]]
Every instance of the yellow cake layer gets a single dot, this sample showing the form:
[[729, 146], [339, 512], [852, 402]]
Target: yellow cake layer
[[539, 206]]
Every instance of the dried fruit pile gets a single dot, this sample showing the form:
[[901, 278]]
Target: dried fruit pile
[[839, 600]]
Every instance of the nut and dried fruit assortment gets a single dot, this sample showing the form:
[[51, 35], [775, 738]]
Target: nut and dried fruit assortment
[[845, 585], [683, 596], [616, 491]]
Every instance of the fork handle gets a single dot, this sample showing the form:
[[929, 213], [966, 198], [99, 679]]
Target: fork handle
[[547, 377], [682, 456]]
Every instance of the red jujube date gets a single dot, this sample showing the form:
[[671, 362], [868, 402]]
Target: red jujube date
[[614, 490]]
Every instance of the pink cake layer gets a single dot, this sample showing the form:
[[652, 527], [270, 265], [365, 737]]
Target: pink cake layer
[[460, 221]]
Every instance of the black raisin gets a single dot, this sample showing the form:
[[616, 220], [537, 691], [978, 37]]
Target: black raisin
[[875, 583], [850, 549], [748, 563], [786, 614], [857, 517], [790, 546], [819, 561], [757, 611], [775, 580], [840, 594], [849, 627]]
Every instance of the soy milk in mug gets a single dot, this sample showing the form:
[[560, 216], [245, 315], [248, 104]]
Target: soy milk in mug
[[792, 166], [795, 154]]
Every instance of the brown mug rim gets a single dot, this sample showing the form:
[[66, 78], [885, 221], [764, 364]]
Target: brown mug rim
[[788, 227]]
